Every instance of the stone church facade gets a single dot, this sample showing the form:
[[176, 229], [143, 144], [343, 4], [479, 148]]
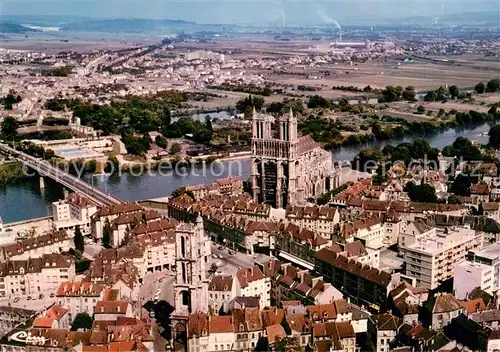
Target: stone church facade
[[287, 169]]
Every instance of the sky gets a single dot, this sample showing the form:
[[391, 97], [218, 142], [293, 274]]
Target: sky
[[279, 12]]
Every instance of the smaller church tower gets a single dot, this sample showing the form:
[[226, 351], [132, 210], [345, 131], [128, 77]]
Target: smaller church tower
[[191, 283]]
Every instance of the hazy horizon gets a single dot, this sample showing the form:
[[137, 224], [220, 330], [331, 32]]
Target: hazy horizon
[[275, 12]]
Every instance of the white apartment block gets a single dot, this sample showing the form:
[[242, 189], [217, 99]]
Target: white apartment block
[[482, 269], [74, 210], [253, 283], [431, 258], [35, 276], [469, 275]]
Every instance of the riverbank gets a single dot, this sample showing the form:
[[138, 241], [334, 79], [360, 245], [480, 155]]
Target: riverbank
[[11, 172]]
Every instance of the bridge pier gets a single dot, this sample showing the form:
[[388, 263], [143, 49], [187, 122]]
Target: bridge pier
[[42, 183]]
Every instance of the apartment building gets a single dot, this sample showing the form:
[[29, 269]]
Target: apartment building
[[251, 282], [383, 329], [36, 247], [482, 269], [229, 186], [221, 290], [74, 210], [242, 329], [438, 311], [124, 223], [363, 284], [56, 317], [321, 220], [35, 275], [111, 310], [357, 251], [79, 297], [369, 228], [105, 216], [431, 258]]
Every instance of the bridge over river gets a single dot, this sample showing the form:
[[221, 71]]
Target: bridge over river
[[45, 169]]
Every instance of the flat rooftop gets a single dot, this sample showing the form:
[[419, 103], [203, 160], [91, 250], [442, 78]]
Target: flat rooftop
[[441, 241], [490, 252]]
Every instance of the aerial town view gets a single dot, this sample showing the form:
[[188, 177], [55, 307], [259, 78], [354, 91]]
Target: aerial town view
[[249, 176]]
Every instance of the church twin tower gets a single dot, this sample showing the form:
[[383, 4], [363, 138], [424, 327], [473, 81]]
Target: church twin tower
[[287, 169]]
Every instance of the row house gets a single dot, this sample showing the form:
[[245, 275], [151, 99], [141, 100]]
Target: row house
[[122, 276], [75, 210], [321, 220], [124, 223], [293, 284], [243, 329], [185, 208], [383, 330], [406, 210], [439, 310], [368, 228], [55, 317], [36, 247], [111, 310], [364, 285], [251, 282], [222, 289], [105, 216], [36, 275], [79, 297], [229, 186], [480, 193], [357, 251], [298, 245], [122, 334], [405, 302]]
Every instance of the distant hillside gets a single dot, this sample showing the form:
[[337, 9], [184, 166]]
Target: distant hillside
[[14, 28], [124, 25]]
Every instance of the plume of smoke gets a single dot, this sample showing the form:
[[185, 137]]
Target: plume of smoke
[[281, 12], [327, 19]]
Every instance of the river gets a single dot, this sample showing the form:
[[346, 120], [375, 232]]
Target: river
[[24, 201]]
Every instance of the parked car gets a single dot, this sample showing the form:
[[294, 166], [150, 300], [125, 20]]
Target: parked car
[[52, 295], [40, 296], [29, 298], [16, 299]]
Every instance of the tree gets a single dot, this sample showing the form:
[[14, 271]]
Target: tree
[[454, 91], [262, 344], [421, 109], [161, 142], [48, 154], [82, 321], [9, 126], [423, 193], [106, 234], [78, 239], [453, 199], [180, 191], [175, 148], [431, 96], [480, 88], [495, 136], [409, 93], [493, 85]]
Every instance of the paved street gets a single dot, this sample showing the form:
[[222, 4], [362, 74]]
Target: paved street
[[389, 261], [33, 304], [230, 262]]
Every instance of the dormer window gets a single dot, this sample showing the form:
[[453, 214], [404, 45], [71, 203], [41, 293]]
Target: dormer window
[[242, 328]]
